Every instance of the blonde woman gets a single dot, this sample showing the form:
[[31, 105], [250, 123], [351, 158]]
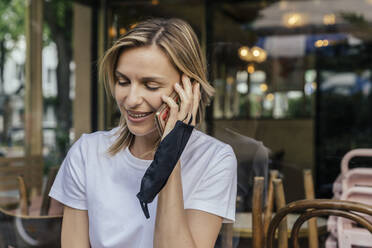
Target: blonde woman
[[101, 176]]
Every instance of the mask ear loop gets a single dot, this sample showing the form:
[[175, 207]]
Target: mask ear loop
[[187, 117], [145, 209], [190, 120]]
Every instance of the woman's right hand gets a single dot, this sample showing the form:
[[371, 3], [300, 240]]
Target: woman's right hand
[[188, 107]]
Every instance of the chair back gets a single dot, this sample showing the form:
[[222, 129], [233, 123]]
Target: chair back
[[351, 154], [30, 167], [352, 177], [315, 208], [25, 231], [349, 233], [357, 177]]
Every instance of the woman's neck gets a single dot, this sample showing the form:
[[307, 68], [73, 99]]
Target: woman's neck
[[143, 147]]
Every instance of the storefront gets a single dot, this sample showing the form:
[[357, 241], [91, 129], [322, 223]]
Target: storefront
[[293, 77]]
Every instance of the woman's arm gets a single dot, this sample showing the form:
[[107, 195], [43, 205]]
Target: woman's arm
[[75, 228], [177, 227]]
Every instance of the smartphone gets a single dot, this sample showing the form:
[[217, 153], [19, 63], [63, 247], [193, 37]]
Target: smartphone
[[162, 114]]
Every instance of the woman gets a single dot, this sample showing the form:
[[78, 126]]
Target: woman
[[101, 175]]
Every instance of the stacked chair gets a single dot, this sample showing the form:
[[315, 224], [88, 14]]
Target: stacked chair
[[308, 209], [354, 229], [351, 185]]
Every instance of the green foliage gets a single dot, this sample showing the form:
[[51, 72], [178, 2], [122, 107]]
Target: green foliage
[[58, 16], [12, 17]]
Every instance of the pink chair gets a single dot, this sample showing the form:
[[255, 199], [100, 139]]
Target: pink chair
[[331, 242], [358, 177], [348, 179], [349, 234], [357, 174]]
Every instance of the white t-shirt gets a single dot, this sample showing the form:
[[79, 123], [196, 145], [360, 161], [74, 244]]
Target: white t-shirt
[[106, 186]]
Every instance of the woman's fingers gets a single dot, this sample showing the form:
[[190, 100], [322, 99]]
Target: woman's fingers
[[195, 104], [173, 114], [183, 96], [189, 102], [186, 99], [187, 85], [188, 89]]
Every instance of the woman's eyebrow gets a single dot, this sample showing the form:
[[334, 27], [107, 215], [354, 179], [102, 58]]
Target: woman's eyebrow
[[119, 74], [160, 80]]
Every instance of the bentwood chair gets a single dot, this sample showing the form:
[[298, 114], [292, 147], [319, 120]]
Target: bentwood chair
[[31, 170], [260, 221], [40, 205], [17, 230], [315, 208]]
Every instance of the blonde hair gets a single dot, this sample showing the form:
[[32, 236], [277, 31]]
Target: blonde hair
[[178, 41]]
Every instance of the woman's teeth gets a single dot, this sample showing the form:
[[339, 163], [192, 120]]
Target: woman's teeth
[[138, 115]]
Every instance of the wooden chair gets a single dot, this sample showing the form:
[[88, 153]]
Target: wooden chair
[[23, 196], [270, 201], [259, 226], [46, 200], [30, 168], [310, 195], [39, 205], [280, 203], [227, 235], [318, 207], [17, 230], [276, 195]]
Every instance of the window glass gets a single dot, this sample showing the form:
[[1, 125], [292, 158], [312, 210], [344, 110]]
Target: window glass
[[36, 94]]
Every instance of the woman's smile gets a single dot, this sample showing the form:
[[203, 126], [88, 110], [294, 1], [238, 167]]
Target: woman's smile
[[138, 117]]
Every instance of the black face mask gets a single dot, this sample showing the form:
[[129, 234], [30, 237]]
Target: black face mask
[[165, 159]]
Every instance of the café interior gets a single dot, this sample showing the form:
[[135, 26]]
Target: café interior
[[293, 81]]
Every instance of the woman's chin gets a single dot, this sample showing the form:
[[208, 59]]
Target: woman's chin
[[142, 131]]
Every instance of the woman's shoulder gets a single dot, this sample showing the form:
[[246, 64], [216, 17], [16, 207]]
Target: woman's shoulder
[[100, 140], [99, 136], [208, 156], [205, 143]]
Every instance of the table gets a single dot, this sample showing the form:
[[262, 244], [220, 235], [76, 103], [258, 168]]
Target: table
[[243, 225]]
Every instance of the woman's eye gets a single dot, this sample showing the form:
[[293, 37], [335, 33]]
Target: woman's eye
[[122, 83], [152, 86]]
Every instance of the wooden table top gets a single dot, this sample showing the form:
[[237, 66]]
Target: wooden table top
[[243, 225]]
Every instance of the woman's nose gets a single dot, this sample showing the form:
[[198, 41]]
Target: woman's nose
[[134, 98]]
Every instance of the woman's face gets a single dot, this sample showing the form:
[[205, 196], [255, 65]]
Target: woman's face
[[143, 75]]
